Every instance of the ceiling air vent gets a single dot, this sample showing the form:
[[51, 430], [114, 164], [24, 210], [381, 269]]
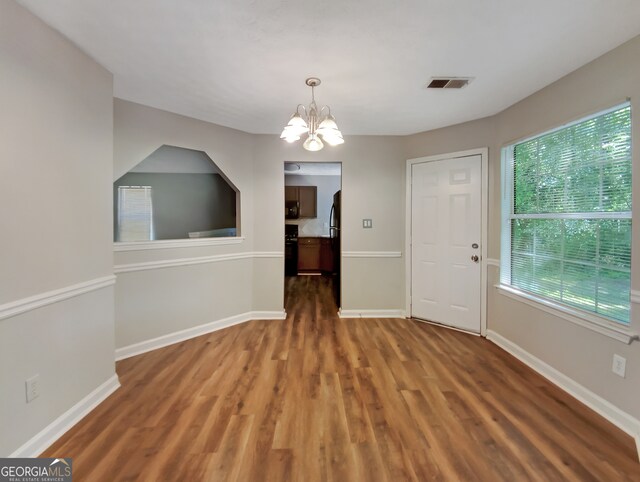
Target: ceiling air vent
[[449, 82]]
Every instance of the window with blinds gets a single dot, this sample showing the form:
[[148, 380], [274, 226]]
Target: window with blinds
[[135, 213], [567, 215]]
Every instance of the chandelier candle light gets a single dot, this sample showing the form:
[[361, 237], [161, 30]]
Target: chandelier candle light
[[313, 121]]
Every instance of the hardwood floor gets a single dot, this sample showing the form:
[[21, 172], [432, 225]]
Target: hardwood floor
[[316, 398]]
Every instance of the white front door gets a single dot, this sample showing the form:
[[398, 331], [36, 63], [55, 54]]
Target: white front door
[[446, 233]]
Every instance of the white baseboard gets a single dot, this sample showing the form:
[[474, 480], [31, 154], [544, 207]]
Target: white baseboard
[[625, 422], [371, 313], [56, 429], [182, 335]]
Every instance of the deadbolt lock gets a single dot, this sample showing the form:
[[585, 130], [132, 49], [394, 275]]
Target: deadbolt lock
[[474, 245]]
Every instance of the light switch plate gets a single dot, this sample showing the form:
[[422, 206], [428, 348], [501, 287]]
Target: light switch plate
[[367, 223]]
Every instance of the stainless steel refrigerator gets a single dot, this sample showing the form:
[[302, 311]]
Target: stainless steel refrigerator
[[334, 233]]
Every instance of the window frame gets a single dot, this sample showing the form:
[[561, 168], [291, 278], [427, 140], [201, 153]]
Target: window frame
[[594, 321]]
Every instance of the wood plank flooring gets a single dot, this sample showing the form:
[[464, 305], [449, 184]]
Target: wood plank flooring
[[316, 398]]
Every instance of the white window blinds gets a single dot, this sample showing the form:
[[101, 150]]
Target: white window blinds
[[569, 215], [135, 213]]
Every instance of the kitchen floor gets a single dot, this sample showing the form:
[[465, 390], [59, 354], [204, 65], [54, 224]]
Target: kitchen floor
[[304, 290]]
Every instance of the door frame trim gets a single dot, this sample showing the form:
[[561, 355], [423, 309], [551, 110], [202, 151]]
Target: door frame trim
[[483, 152]]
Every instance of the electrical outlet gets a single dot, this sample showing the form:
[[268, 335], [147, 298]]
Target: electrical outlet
[[619, 365], [32, 386], [367, 223]]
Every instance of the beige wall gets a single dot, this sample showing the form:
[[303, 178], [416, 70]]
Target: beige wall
[[372, 187], [55, 211], [579, 353]]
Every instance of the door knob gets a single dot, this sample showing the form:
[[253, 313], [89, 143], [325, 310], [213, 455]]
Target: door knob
[[475, 258]]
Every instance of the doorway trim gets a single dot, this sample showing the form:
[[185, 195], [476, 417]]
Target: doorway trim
[[483, 152]]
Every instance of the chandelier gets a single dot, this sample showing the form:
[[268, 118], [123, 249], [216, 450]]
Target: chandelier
[[320, 126]]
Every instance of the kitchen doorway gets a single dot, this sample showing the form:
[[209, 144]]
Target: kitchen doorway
[[312, 229]]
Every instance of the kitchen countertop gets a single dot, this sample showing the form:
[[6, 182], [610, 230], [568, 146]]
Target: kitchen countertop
[[314, 236]]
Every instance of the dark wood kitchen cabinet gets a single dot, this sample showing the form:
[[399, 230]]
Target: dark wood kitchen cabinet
[[315, 254], [308, 254], [291, 193], [306, 196], [326, 255]]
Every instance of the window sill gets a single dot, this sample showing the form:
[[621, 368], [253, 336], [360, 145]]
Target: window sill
[[175, 243], [592, 322]]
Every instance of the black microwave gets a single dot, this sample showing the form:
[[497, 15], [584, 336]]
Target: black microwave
[[291, 209]]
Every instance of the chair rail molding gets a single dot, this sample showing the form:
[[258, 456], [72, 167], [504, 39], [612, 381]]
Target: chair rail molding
[[34, 302], [372, 254], [170, 263]]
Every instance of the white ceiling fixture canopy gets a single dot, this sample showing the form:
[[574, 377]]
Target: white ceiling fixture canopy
[[313, 122]]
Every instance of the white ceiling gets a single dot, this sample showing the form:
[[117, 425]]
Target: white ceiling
[[242, 63]]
